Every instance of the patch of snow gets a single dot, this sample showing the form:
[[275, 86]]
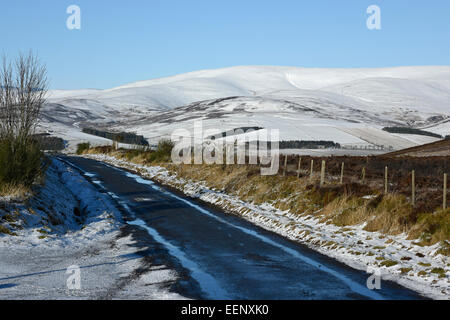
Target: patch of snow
[[50, 237], [308, 104]]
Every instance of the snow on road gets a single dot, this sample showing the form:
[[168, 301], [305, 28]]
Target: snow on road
[[351, 245], [69, 223]]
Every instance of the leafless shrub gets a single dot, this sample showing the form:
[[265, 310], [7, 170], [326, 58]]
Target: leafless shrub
[[23, 87]]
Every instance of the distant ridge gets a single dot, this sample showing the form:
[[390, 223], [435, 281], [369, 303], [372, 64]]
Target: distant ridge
[[435, 149], [346, 106]]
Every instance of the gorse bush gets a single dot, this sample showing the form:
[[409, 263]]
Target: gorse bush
[[82, 147], [20, 164], [130, 154], [162, 153]]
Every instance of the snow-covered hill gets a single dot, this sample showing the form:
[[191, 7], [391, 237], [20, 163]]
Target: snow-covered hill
[[331, 104]]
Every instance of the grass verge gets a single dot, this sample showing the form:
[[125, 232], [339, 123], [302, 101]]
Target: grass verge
[[347, 204]]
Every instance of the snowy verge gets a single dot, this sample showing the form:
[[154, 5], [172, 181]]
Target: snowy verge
[[66, 210], [397, 259], [68, 222]]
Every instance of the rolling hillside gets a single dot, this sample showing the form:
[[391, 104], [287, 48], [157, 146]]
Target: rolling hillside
[[436, 149], [349, 106]]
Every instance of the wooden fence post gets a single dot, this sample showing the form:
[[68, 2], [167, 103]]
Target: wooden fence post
[[445, 192], [386, 180], [363, 178], [322, 174], [285, 166], [342, 173], [299, 166], [413, 188], [312, 170]]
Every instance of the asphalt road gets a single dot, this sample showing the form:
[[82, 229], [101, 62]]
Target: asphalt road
[[224, 257]]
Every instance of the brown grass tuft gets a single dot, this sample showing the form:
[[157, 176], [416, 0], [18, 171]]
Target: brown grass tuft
[[16, 192]]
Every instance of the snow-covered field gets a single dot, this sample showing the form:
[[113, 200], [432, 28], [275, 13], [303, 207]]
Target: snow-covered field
[[348, 106], [51, 236], [351, 245]]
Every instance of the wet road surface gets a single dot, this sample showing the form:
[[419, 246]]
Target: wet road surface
[[227, 257]]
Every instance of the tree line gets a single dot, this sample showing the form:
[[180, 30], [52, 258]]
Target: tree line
[[121, 137], [406, 130]]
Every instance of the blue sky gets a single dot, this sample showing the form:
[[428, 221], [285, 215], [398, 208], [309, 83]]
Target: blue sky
[[125, 41]]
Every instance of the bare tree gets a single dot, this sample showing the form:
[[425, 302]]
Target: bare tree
[[23, 88]]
